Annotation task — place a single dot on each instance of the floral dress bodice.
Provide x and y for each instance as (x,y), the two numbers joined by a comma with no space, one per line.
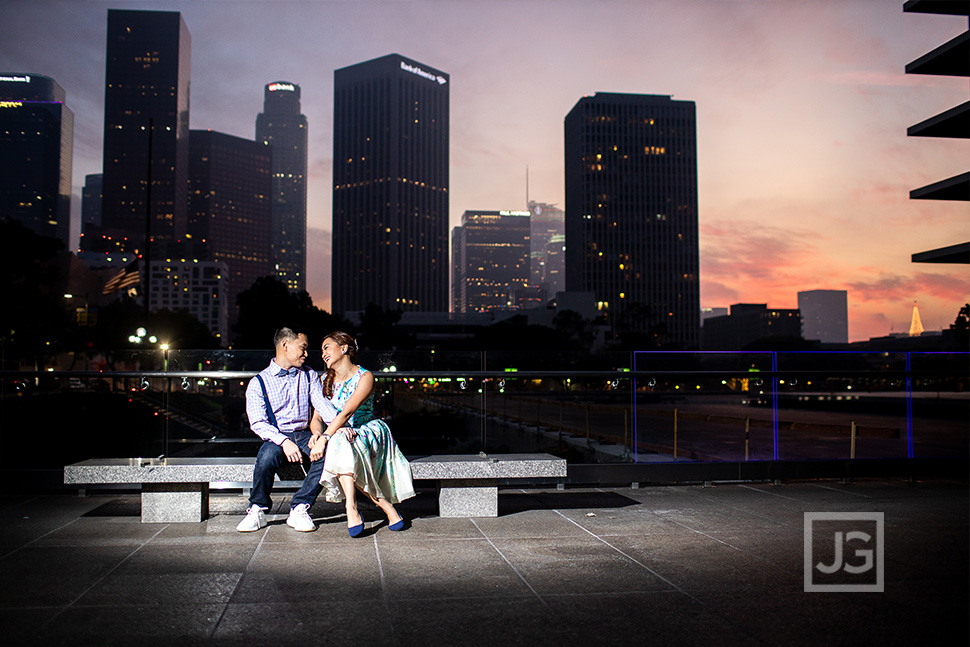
(342,392)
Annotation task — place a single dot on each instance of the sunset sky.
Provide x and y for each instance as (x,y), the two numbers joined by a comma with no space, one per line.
(802,108)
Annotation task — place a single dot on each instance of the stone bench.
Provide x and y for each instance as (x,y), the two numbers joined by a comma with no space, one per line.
(173,490)
(468,484)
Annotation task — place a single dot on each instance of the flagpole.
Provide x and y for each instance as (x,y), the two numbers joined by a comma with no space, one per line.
(148,224)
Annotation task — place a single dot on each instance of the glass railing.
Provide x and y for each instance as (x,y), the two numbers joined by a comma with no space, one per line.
(644,407)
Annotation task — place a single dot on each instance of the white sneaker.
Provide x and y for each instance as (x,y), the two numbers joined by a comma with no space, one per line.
(299,519)
(253,521)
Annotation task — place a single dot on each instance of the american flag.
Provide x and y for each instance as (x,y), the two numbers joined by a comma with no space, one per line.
(126,278)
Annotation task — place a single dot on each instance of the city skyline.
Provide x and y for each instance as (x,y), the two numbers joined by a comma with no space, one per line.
(804,166)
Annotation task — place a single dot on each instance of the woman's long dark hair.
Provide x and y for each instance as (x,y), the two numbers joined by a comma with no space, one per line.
(342,339)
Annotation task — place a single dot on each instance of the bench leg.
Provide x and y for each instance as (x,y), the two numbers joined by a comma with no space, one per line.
(174,502)
(468,498)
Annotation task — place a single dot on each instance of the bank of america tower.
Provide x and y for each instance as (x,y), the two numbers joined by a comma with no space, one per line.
(390,186)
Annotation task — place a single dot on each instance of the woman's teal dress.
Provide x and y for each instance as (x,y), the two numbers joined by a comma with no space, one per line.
(378,466)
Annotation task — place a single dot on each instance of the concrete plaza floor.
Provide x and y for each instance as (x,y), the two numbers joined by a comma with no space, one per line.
(671,565)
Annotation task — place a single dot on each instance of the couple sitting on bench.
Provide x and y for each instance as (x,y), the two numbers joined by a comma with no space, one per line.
(329,421)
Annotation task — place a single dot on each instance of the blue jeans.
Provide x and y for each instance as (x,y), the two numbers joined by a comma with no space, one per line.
(270,458)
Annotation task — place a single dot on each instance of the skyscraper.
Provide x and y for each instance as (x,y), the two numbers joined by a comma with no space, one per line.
(631,211)
(825,315)
(36,144)
(491,249)
(390,186)
(146,87)
(229,206)
(281,126)
(91,200)
(546,223)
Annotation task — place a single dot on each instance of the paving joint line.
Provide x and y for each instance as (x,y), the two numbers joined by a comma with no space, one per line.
(103,577)
(629,557)
(225,607)
(511,565)
(387,608)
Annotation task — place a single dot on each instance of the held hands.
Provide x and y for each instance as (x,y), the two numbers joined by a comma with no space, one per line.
(318,444)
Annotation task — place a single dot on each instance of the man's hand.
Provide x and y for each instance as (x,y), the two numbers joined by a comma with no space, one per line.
(292,452)
(318,445)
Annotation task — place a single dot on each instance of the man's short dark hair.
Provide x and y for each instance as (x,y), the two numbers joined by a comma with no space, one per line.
(285,333)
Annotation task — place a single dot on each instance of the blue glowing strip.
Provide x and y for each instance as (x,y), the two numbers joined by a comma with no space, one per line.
(909,407)
(635,437)
(774,399)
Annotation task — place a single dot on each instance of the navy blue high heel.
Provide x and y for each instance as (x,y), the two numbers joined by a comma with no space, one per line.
(398,526)
(356,530)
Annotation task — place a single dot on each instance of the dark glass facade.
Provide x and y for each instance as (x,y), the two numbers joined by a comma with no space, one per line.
(146,82)
(631,212)
(390,192)
(282,127)
(36,148)
(546,259)
(492,252)
(229,206)
(91,200)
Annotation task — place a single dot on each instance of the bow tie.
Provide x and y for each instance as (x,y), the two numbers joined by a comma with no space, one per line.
(283,372)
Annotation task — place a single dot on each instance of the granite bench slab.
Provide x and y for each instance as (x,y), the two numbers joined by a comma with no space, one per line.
(468,483)
(172,489)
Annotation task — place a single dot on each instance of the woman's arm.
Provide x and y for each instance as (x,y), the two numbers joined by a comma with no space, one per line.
(364,387)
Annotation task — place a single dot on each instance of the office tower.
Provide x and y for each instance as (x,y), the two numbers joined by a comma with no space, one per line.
(36,146)
(631,212)
(390,186)
(554,265)
(199,287)
(825,315)
(230,185)
(493,252)
(146,105)
(91,200)
(282,127)
(949,59)
(547,221)
(748,323)
(459,294)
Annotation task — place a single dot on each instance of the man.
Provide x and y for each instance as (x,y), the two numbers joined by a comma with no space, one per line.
(278,403)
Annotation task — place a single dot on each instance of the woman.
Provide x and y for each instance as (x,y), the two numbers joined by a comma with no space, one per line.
(360,452)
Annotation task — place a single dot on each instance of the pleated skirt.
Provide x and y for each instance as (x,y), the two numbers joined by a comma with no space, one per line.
(378,466)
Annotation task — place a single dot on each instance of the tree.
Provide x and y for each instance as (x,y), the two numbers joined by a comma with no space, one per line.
(34,320)
(379,331)
(268,304)
(960,328)
(571,325)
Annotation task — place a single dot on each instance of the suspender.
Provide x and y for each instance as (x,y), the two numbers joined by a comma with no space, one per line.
(269,408)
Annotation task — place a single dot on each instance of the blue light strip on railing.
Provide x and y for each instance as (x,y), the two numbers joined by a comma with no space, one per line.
(909,408)
(774,402)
